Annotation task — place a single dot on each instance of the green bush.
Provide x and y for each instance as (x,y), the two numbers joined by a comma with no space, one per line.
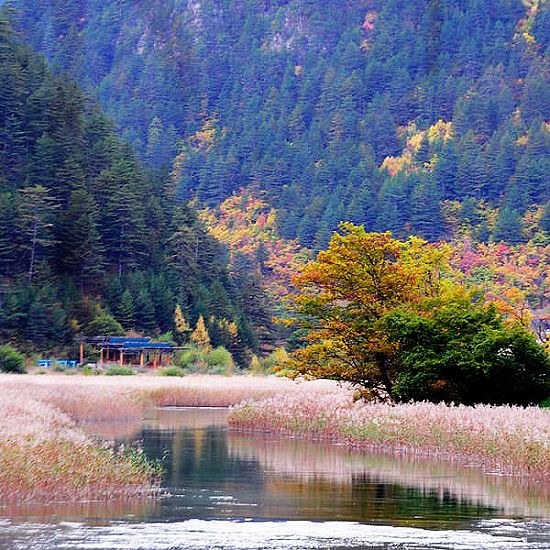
(86,371)
(275,361)
(11,360)
(220,361)
(190,357)
(545,404)
(171,371)
(119,371)
(167,338)
(466,353)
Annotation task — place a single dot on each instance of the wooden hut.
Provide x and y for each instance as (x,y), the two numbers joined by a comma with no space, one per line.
(130,351)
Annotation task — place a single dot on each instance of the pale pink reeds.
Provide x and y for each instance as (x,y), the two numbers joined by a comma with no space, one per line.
(98,397)
(507,440)
(45,453)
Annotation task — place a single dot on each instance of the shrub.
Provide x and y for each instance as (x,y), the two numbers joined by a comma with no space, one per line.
(11,360)
(275,361)
(189,357)
(171,371)
(119,371)
(545,404)
(86,371)
(220,361)
(167,337)
(255,367)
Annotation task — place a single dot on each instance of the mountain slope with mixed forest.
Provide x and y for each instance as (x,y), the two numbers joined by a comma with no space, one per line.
(90,240)
(425,116)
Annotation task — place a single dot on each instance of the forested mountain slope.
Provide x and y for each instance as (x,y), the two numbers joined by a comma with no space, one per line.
(423,116)
(85,230)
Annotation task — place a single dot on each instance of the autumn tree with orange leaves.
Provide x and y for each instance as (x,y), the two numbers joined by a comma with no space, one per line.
(388,317)
(344,295)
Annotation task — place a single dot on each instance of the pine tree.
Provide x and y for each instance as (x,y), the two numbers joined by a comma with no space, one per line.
(79,249)
(36,211)
(508,227)
(426,219)
(37,324)
(124,311)
(144,312)
(8,245)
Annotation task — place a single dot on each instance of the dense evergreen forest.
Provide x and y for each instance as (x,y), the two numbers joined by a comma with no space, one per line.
(419,116)
(426,117)
(89,239)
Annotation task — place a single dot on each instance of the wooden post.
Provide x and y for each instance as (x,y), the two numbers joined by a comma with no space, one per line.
(154,360)
(121,358)
(81,353)
(101,357)
(141,360)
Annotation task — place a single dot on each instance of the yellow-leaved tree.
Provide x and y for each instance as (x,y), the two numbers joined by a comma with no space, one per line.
(343,296)
(201,337)
(182,326)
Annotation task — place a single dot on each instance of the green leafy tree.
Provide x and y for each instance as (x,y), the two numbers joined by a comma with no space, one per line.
(104,325)
(464,352)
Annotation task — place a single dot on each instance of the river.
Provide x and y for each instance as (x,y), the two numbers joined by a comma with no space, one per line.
(228,490)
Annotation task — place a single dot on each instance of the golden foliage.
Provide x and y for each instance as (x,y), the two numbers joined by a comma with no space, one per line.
(344,294)
(201,337)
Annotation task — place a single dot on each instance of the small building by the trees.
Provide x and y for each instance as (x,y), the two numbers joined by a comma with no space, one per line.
(127,350)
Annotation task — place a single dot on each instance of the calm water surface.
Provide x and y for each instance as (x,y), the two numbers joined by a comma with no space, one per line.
(229,490)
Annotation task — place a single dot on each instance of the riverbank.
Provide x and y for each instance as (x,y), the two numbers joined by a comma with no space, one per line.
(502,440)
(47,455)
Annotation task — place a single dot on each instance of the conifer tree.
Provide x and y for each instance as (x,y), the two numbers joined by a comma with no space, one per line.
(182,326)
(36,211)
(201,337)
(124,312)
(79,250)
(144,312)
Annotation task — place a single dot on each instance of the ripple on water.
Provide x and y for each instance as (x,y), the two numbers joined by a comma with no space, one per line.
(259,535)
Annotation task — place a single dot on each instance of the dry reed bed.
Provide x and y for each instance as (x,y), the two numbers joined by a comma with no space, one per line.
(507,440)
(45,454)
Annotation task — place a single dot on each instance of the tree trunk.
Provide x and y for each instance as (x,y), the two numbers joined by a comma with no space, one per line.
(33,251)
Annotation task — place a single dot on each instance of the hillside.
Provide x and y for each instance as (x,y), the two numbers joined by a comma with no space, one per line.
(427,117)
(88,236)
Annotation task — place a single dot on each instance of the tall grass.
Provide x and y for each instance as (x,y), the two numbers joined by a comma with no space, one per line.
(45,454)
(507,440)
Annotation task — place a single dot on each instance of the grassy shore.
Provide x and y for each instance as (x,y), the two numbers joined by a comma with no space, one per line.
(46,454)
(505,440)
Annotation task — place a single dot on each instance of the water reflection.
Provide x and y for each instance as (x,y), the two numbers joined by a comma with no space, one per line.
(216,473)
(301,460)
